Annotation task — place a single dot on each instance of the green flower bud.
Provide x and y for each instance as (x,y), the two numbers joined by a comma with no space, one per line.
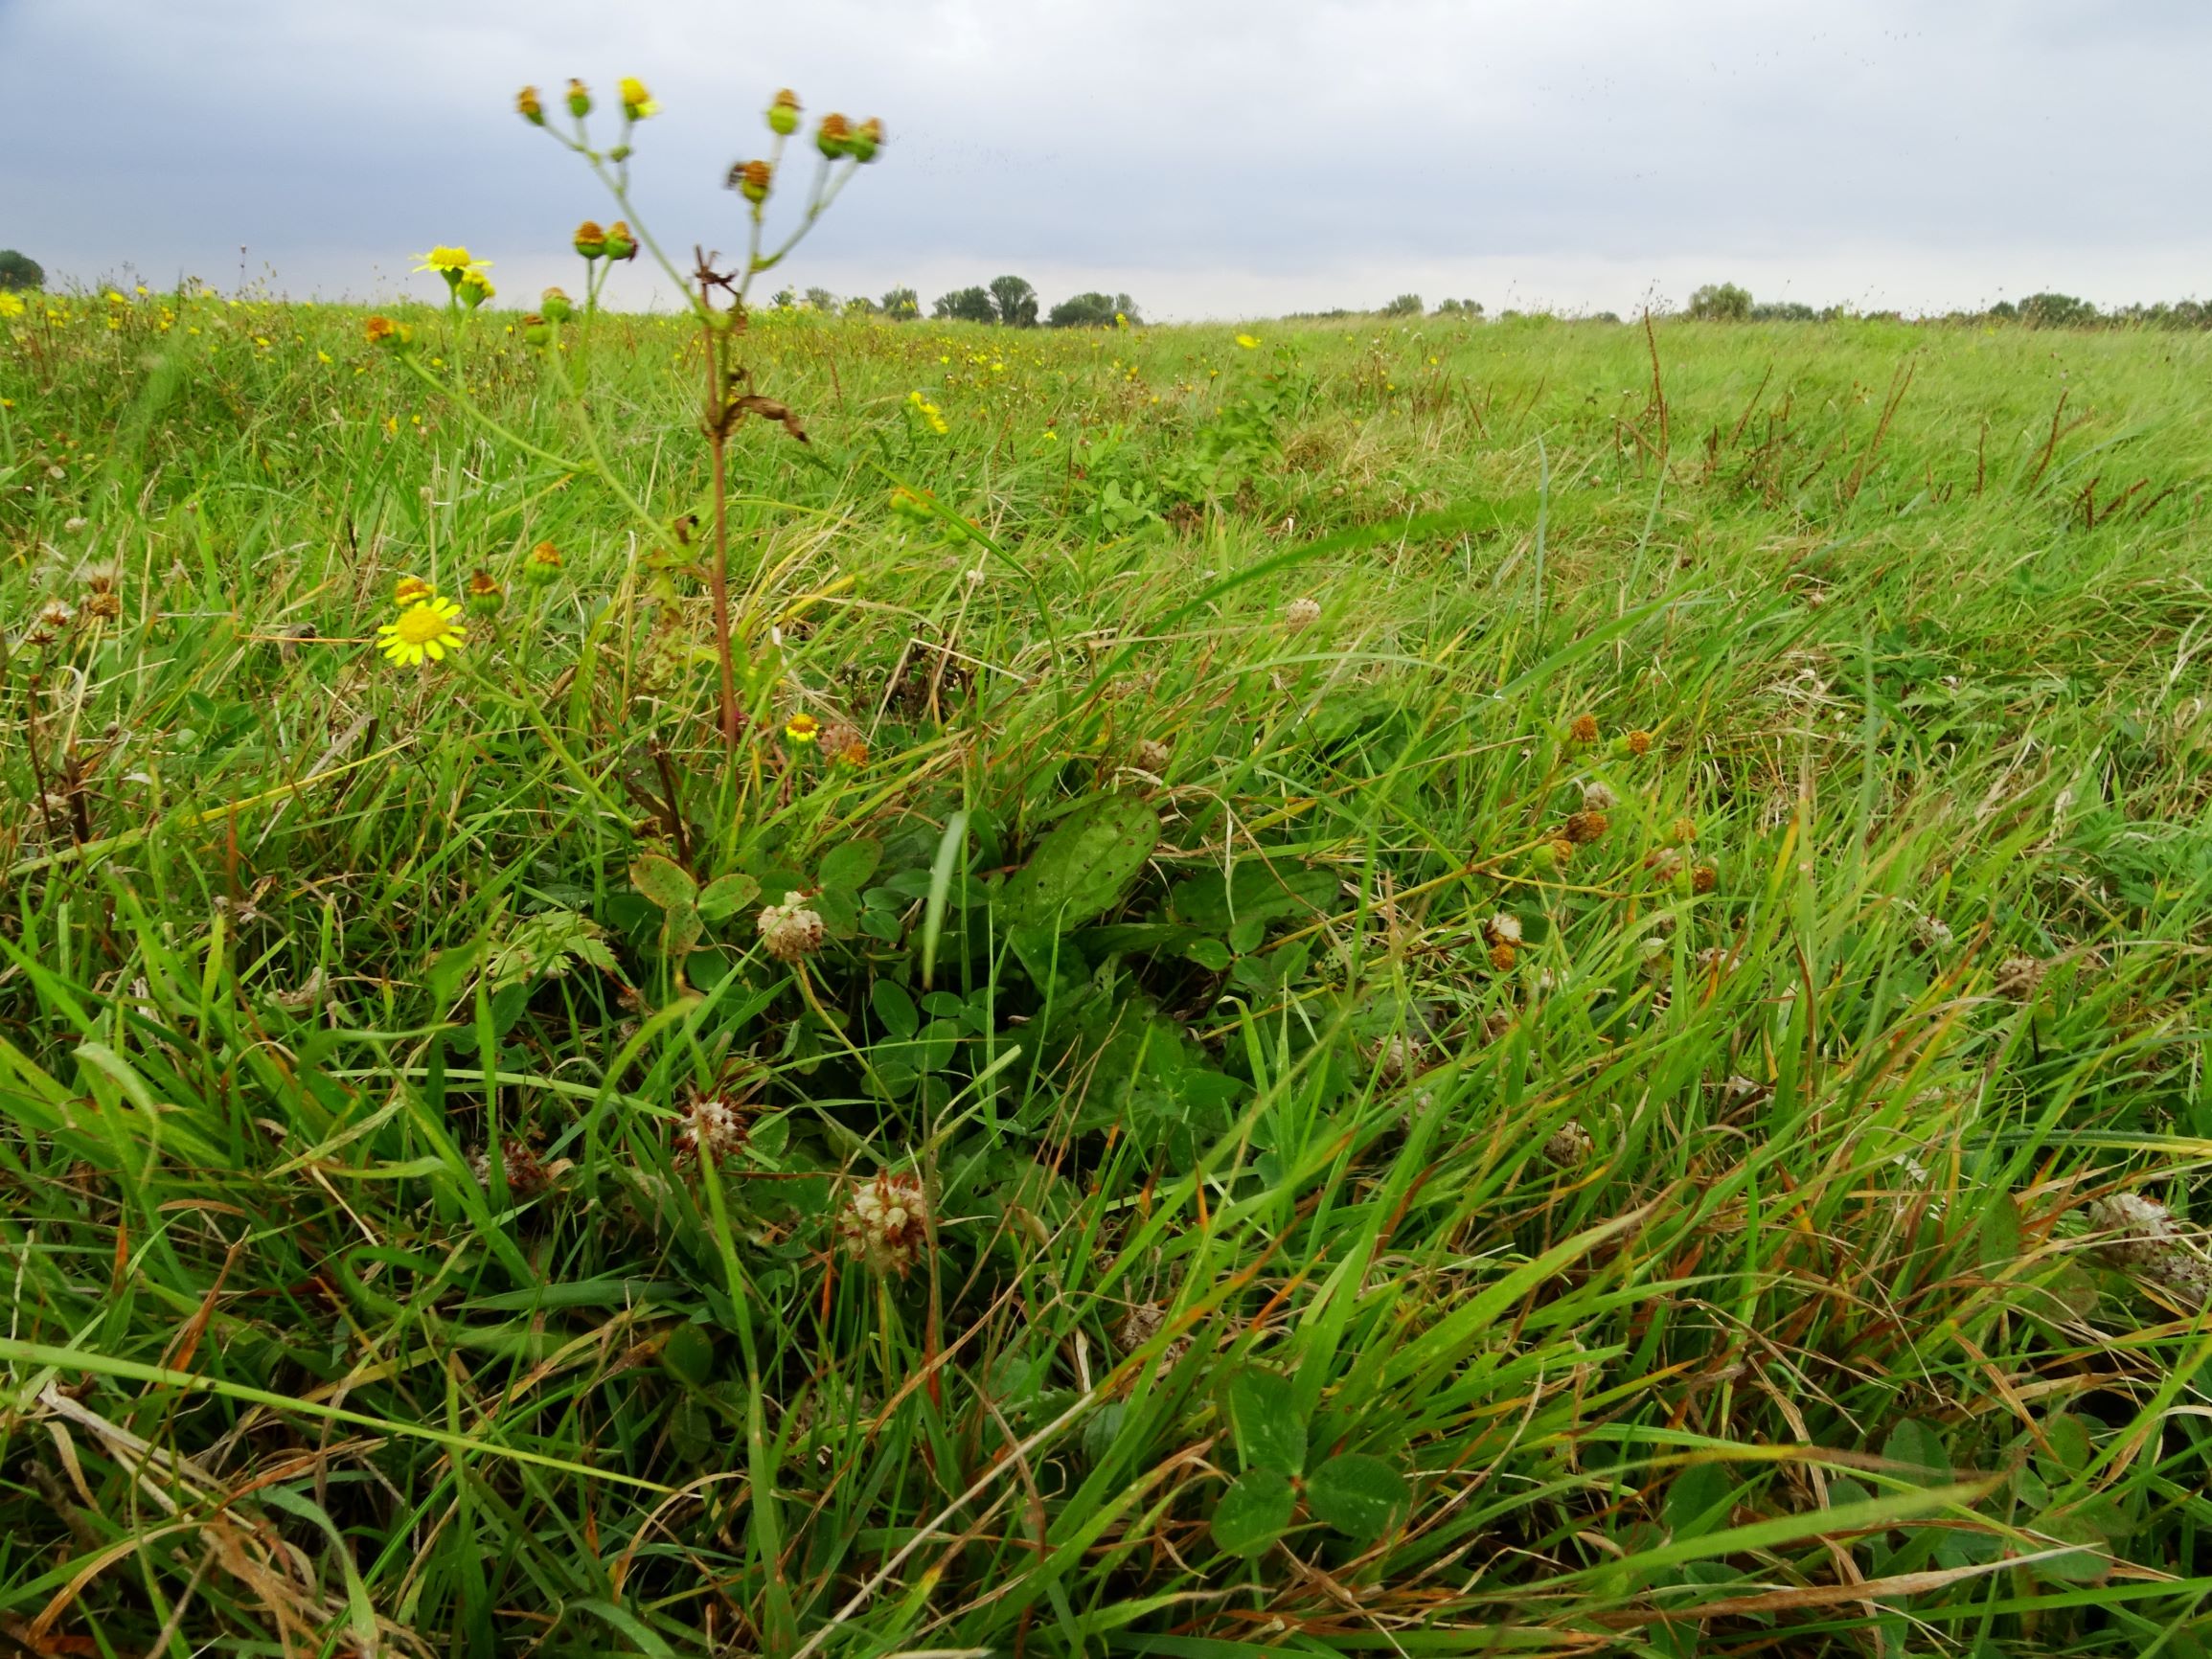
(783,114)
(578,98)
(866,140)
(835,136)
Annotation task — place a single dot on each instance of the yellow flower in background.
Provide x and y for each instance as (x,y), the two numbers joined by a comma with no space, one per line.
(1248,342)
(930,415)
(802,729)
(446,262)
(425,632)
(637,103)
(10,306)
(412,590)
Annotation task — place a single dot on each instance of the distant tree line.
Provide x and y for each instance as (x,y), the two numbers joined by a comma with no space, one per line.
(1730,303)
(1009,301)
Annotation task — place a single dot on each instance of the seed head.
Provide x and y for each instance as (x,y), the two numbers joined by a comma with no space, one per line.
(104,603)
(2143,1239)
(1503,929)
(791,931)
(844,744)
(1301,614)
(1597,798)
(1501,957)
(1152,756)
(1569,1145)
(1704,879)
(1397,1059)
(886,1223)
(1584,729)
(713,1122)
(1139,1326)
(2019,977)
(1584,828)
(1684,831)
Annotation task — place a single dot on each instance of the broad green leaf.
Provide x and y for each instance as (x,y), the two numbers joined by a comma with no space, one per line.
(1253,1512)
(1083,864)
(1256,890)
(1359,1495)
(849,866)
(2086,1566)
(894,1009)
(1270,1428)
(1920,1447)
(688,1353)
(1698,1498)
(725,896)
(663,881)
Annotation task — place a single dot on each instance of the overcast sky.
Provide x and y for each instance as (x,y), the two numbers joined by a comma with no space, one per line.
(1211,158)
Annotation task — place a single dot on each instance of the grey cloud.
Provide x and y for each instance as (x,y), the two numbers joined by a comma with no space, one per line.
(1190,139)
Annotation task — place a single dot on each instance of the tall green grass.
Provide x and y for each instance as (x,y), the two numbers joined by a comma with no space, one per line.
(1728,1268)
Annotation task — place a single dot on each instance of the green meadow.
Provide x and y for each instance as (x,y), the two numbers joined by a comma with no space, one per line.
(1408,987)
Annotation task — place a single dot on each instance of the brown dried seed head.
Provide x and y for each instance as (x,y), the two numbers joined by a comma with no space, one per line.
(1584,828)
(1584,730)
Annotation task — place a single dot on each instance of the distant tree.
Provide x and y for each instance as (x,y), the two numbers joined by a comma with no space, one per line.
(1460,309)
(1405,305)
(1092,310)
(2056,311)
(1783,311)
(965,306)
(785,299)
(1016,301)
(858,306)
(1720,303)
(20,270)
(823,300)
(901,305)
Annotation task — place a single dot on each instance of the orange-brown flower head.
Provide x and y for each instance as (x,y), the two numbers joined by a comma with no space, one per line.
(1639,743)
(843,744)
(866,140)
(1704,879)
(485,594)
(621,244)
(1584,828)
(751,180)
(384,332)
(1584,730)
(528,106)
(1501,957)
(784,113)
(535,330)
(591,240)
(411,590)
(555,305)
(835,136)
(578,98)
(542,565)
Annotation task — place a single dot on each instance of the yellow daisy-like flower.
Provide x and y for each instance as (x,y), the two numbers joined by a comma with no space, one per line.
(636,102)
(802,729)
(1248,342)
(10,305)
(412,590)
(425,632)
(450,263)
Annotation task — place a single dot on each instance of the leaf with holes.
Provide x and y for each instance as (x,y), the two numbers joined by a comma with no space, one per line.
(1083,864)
(664,882)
